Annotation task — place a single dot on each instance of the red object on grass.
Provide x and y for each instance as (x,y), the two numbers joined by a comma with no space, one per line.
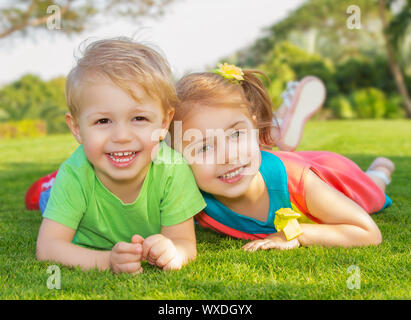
(33,193)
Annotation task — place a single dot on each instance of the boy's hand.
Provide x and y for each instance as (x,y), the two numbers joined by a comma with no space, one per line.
(161,252)
(274,241)
(126,257)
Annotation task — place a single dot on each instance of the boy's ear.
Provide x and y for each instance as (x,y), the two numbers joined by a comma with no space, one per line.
(167,118)
(74,127)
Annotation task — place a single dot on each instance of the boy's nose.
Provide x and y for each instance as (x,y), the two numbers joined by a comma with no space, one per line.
(121,134)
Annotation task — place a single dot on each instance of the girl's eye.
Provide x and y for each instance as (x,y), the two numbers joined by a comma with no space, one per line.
(236,134)
(102,121)
(204,148)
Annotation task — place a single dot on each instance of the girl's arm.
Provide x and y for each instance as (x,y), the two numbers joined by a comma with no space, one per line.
(346,224)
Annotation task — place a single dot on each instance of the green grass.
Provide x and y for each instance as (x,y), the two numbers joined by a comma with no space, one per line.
(222,270)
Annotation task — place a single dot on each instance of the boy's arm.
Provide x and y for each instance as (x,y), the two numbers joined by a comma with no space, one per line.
(184,239)
(345,222)
(173,248)
(54,244)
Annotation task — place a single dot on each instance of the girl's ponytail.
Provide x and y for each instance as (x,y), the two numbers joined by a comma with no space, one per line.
(260,105)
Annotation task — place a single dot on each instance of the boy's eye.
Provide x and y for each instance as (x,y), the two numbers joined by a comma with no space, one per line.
(102,121)
(139,118)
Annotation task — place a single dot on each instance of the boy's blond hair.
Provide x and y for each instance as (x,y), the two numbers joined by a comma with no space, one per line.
(126,63)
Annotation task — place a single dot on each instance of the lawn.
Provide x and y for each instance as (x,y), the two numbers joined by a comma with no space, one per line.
(222,270)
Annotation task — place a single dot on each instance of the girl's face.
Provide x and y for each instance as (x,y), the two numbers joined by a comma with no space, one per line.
(221,146)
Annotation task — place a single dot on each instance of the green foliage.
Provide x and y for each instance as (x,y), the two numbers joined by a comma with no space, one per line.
(287,62)
(369,103)
(364,72)
(345,59)
(24,17)
(342,108)
(32,98)
(325,20)
(400,24)
(23,128)
(393,109)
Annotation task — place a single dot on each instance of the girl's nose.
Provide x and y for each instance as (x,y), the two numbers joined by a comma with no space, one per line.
(231,152)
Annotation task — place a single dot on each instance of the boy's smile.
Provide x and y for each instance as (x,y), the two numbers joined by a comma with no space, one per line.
(122,159)
(118,132)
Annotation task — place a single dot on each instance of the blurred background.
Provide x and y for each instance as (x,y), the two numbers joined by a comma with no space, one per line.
(361,49)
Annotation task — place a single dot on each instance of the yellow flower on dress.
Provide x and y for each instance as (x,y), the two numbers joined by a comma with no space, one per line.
(230,72)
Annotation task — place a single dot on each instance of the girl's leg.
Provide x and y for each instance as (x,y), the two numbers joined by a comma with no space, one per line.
(300,101)
(380,171)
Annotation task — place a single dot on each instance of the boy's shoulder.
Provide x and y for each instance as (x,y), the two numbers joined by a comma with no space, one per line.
(77,164)
(168,156)
(169,165)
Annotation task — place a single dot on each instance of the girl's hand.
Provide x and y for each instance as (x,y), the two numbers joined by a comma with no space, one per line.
(274,241)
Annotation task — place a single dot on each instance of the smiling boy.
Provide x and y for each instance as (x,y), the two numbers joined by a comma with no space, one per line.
(119,198)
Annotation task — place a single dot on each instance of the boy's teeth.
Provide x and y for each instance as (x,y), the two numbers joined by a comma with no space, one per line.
(122,154)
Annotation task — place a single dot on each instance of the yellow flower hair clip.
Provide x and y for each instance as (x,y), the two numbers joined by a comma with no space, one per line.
(230,72)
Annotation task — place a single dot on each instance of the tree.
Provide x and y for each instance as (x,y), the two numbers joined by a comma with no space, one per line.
(30,15)
(320,26)
(394,31)
(32,98)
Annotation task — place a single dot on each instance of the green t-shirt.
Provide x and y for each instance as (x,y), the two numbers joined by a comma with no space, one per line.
(80,201)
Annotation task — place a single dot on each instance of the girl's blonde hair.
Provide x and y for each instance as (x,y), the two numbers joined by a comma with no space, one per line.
(211,89)
(125,63)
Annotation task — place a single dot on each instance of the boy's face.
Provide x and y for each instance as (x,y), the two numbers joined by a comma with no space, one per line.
(221,146)
(119,135)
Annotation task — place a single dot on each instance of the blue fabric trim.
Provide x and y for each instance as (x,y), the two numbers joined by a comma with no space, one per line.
(387,203)
(275,177)
(44,198)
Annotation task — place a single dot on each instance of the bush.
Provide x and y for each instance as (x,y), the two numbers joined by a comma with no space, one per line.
(393,107)
(341,107)
(286,62)
(365,104)
(369,103)
(364,72)
(24,128)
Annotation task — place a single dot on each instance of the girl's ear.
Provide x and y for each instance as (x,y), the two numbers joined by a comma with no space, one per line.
(74,127)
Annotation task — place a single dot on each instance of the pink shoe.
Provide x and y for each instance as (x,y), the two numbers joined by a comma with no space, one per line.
(381,162)
(303,99)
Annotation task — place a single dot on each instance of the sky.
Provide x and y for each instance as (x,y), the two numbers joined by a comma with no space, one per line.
(192,34)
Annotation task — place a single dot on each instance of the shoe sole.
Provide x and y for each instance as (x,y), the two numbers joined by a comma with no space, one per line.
(309,98)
